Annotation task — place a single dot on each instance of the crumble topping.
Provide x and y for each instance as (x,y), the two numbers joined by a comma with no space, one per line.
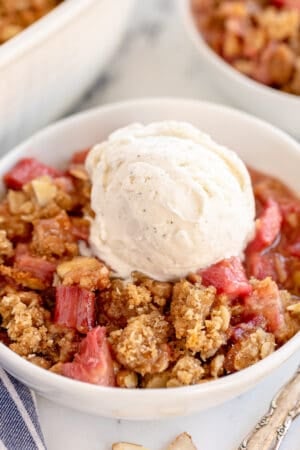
(68,314)
(247,351)
(141,345)
(187,370)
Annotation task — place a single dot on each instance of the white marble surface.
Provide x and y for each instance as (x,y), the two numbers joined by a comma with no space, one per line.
(157,59)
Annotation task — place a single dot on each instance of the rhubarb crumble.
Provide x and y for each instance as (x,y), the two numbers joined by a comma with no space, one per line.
(259,38)
(64,310)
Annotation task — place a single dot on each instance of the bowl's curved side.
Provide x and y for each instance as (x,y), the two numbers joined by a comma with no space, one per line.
(280,108)
(258,143)
(55,64)
(142,404)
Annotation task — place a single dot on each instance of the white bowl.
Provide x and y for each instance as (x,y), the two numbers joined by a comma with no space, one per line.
(259,144)
(279,108)
(46,68)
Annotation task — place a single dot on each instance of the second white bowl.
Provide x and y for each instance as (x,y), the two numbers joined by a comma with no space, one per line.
(279,108)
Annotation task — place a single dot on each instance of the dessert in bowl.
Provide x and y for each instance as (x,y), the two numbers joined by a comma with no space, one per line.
(251,51)
(261,39)
(111,290)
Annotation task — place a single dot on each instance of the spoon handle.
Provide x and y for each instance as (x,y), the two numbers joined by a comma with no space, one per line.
(271,429)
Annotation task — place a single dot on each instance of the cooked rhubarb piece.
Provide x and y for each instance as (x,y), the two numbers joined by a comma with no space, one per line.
(80,157)
(26,170)
(252,323)
(261,264)
(228,277)
(39,267)
(268,226)
(93,362)
(265,301)
(75,308)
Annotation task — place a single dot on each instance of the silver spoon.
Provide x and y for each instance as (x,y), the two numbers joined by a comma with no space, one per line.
(270,431)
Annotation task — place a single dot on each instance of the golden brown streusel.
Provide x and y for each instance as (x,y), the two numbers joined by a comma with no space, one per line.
(15,227)
(22,278)
(6,248)
(196,320)
(178,349)
(141,345)
(279,24)
(30,331)
(280,65)
(187,370)
(160,291)
(190,306)
(46,197)
(24,319)
(39,361)
(213,335)
(156,381)
(291,323)
(127,379)
(62,343)
(217,366)
(125,300)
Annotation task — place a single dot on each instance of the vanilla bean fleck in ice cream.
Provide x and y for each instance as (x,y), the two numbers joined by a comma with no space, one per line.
(168,201)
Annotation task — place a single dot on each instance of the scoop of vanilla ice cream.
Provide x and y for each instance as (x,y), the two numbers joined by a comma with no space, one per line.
(168,201)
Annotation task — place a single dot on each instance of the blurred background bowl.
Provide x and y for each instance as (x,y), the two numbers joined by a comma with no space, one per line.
(48,67)
(277,107)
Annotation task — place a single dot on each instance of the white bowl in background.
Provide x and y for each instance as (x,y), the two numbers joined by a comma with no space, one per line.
(279,108)
(46,68)
(259,144)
